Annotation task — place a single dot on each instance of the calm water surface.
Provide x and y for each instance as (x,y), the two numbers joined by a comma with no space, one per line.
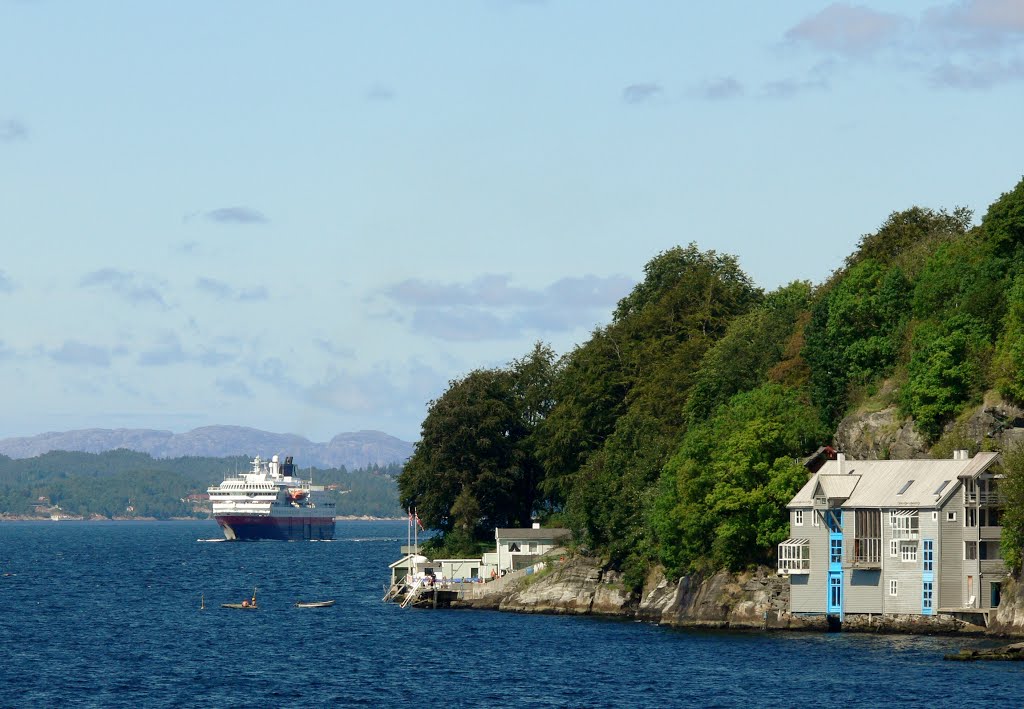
(107,615)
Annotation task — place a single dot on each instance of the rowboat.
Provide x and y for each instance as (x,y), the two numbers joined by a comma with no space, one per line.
(246,605)
(314,604)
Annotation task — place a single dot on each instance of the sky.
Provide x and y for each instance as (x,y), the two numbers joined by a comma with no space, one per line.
(310,217)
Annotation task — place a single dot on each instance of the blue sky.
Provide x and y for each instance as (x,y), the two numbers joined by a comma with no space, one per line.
(309,217)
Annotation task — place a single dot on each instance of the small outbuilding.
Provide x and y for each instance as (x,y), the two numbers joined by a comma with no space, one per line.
(519,548)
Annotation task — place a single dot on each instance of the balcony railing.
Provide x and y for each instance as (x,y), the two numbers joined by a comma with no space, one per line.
(866,554)
(905,534)
(983,498)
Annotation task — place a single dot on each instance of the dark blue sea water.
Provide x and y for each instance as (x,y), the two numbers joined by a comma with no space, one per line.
(107,615)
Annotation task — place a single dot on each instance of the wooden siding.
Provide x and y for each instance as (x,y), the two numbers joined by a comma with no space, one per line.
(807,592)
(949,561)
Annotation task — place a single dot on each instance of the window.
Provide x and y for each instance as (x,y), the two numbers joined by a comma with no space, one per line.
(908,552)
(892,587)
(814,519)
(970,550)
(951,516)
(935,516)
(926,597)
(989,550)
(906,486)
(821,501)
(798,518)
(835,551)
(905,525)
(795,556)
(867,538)
(894,547)
(940,488)
(990,517)
(928,555)
(513,546)
(971,517)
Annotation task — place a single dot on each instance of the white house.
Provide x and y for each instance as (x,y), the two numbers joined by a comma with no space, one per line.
(519,548)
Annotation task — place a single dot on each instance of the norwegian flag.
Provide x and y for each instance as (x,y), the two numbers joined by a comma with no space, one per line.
(418,521)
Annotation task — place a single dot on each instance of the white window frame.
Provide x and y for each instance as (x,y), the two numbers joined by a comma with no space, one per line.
(795,558)
(894,547)
(908,552)
(906,526)
(968,545)
(798,518)
(815,521)
(935,516)
(951,516)
(893,587)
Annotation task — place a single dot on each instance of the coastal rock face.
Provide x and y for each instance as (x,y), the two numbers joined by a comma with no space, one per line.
(996,422)
(578,586)
(1009,616)
(753,600)
(879,435)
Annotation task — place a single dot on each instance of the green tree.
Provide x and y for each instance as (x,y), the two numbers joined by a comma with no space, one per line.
(722,497)
(474,467)
(855,333)
(946,371)
(1012,488)
(1008,361)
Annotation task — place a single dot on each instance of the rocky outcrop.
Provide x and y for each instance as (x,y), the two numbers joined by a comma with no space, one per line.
(577,586)
(753,600)
(879,435)
(1009,616)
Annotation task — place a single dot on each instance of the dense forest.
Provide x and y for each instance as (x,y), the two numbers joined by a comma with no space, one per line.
(674,435)
(125,483)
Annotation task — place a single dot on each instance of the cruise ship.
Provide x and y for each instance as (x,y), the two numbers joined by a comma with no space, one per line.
(271,502)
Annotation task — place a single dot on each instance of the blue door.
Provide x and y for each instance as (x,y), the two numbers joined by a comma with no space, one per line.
(927,577)
(835,560)
(835,592)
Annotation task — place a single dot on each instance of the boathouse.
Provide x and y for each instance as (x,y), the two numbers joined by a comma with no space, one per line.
(897,537)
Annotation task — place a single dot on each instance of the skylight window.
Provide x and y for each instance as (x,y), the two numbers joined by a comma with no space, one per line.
(906,486)
(940,488)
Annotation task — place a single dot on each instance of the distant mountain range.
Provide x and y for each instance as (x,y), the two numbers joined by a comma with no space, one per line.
(352,450)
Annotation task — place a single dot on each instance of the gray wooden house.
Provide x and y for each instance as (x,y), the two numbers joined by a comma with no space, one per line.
(896,537)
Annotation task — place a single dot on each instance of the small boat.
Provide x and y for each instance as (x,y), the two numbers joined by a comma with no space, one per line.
(248,604)
(314,604)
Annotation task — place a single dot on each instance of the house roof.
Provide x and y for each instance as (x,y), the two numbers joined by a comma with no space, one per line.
(513,534)
(892,483)
(404,561)
(838,486)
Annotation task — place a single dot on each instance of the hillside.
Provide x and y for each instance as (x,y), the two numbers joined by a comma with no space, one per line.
(673,437)
(350,450)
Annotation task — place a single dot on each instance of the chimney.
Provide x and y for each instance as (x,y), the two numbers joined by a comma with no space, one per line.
(841,460)
(961,454)
(536,525)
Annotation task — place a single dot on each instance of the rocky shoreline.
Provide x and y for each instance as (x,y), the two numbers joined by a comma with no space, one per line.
(752,600)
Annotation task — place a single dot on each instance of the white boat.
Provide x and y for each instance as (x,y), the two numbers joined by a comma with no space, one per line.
(272,502)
